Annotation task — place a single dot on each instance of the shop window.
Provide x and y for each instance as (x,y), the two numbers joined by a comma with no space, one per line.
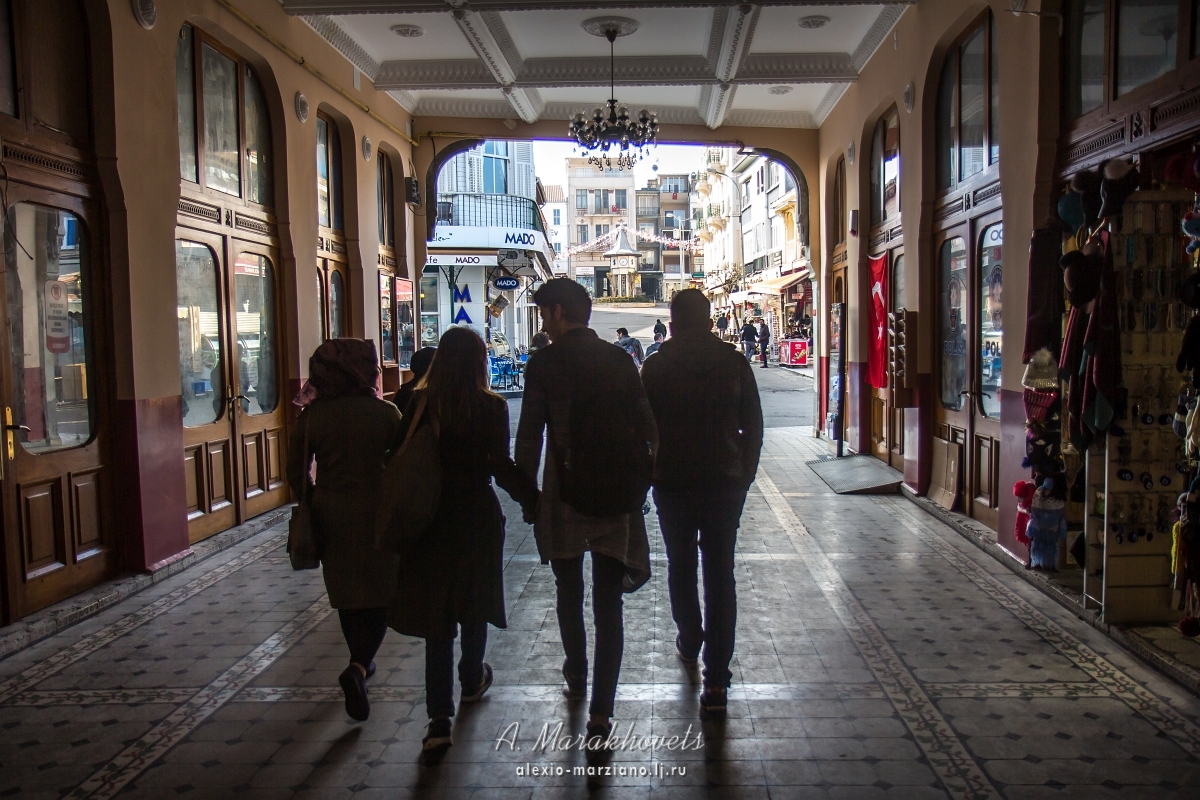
(46,265)
(337,305)
(329,174)
(838,201)
(224,124)
(321,304)
(1147,35)
(968,108)
(991,323)
(257,342)
(385,195)
(429,311)
(198,312)
(8,61)
(898,298)
(495,167)
(387,318)
(405,328)
(1084,56)
(885,169)
(952,269)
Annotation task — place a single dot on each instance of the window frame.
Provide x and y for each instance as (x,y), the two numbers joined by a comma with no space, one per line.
(385,191)
(200,38)
(987,22)
(879,161)
(333,154)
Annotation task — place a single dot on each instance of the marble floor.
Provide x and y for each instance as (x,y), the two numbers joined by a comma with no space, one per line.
(879,655)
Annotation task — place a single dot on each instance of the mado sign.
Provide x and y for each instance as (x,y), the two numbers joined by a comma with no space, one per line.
(506,283)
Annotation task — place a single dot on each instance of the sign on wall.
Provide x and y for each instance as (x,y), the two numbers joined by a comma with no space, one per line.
(460,260)
(58,334)
(506,283)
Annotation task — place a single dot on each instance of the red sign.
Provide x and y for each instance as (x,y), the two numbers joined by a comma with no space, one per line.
(404,290)
(58,335)
(877,320)
(794,352)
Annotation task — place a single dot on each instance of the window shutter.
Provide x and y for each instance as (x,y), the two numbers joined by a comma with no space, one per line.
(474,164)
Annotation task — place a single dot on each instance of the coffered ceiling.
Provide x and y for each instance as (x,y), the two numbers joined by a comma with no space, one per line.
(775,64)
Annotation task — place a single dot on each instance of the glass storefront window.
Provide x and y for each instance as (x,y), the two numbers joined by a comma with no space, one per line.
(405,325)
(321,305)
(257,344)
(387,325)
(991,323)
(198,312)
(185,93)
(1084,43)
(952,268)
(993,96)
(971,106)
(885,169)
(221,153)
(337,305)
(329,175)
(898,300)
(258,143)
(1147,35)
(945,127)
(323,216)
(430,332)
(46,259)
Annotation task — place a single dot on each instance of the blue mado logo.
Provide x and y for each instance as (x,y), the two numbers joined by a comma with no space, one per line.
(518,238)
(506,283)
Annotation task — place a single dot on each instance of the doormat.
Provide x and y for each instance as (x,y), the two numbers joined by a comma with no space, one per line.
(857,475)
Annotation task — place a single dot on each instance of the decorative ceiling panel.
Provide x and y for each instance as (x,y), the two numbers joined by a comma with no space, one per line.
(661,32)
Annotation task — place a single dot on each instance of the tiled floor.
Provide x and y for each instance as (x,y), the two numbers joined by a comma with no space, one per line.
(879,656)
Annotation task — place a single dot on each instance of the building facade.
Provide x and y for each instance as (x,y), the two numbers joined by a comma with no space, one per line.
(599,200)
(558,227)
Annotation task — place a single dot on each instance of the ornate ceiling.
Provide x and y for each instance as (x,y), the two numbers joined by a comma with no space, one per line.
(774,64)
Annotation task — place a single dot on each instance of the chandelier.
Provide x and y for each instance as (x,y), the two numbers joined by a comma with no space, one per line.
(613,127)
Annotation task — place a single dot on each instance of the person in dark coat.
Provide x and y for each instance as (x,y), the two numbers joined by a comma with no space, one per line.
(660,329)
(749,336)
(419,365)
(764,341)
(349,431)
(455,576)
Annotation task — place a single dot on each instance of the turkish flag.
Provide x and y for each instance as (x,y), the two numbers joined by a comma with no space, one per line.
(877,352)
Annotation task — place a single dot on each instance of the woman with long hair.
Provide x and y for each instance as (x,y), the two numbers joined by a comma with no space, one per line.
(454,577)
(349,432)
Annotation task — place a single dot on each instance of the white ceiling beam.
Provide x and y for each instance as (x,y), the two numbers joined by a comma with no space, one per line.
(491,41)
(729,43)
(303,7)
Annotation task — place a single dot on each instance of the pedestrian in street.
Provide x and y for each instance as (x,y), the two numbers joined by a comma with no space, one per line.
(630,345)
(652,349)
(722,325)
(419,364)
(706,405)
(600,436)
(454,578)
(764,341)
(540,339)
(349,431)
(749,337)
(660,329)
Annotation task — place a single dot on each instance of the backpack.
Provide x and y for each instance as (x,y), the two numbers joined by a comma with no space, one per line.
(605,469)
(631,348)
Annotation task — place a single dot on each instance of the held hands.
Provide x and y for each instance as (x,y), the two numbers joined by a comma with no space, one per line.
(529,511)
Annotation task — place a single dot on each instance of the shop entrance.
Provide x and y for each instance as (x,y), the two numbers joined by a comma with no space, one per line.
(970,324)
(887,420)
(332,285)
(229,354)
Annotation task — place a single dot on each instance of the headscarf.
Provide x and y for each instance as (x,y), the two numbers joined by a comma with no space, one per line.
(420,361)
(341,367)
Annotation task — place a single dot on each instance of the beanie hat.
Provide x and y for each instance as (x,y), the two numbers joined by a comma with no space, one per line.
(1081,275)
(1121,179)
(1087,184)
(1042,371)
(1070,211)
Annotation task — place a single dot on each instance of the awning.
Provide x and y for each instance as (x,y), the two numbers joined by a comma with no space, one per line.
(776,285)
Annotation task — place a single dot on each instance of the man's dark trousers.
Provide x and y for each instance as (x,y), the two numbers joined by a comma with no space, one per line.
(705,521)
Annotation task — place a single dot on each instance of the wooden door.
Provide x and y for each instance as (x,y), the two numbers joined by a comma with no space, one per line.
(897,299)
(58,538)
(229,358)
(970,324)
(333,285)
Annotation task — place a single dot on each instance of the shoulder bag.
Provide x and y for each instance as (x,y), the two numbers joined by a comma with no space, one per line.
(302,545)
(411,488)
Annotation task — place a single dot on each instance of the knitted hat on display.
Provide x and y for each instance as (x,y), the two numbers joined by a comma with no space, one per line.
(1042,371)
(1070,211)
(1087,184)
(1081,275)
(1121,179)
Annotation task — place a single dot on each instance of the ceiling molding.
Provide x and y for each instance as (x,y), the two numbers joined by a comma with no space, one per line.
(887,19)
(407,100)
(459,73)
(453,107)
(715,103)
(770,119)
(329,30)
(526,102)
(302,7)
(831,99)
(797,68)
(735,41)
(627,71)
(670,115)
(477,33)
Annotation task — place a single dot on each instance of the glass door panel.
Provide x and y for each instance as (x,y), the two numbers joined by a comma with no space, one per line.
(337,304)
(952,272)
(990,324)
(198,292)
(254,308)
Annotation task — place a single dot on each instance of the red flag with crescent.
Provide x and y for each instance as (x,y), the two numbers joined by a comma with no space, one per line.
(878,335)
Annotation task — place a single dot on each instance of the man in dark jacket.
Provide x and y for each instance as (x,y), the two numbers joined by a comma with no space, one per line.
(749,336)
(764,341)
(630,345)
(660,329)
(710,426)
(575,366)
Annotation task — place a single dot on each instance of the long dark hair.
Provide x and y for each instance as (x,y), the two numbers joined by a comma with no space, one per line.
(457,380)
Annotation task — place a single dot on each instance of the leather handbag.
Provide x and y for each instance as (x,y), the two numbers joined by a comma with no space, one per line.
(411,488)
(303,547)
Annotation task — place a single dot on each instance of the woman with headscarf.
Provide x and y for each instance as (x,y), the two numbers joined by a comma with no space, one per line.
(349,431)
(455,576)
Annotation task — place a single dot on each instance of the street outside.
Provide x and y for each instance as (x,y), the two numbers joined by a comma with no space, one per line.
(786,394)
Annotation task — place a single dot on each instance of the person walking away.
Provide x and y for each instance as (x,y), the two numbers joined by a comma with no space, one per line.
(419,365)
(652,349)
(722,325)
(706,405)
(749,336)
(601,435)
(454,578)
(659,329)
(764,341)
(630,345)
(540,339)
(350,432)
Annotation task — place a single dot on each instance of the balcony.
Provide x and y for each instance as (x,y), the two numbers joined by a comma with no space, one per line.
(489,211)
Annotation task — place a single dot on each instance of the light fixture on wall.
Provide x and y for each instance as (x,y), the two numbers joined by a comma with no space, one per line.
(301,107)
(614,129)
(366,148)
(850,154)
(145,12)
(910,97)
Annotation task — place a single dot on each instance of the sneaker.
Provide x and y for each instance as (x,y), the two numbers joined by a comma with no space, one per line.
(596,751)
(436,742)
(576,684)
(713,703)
(481,690)
(689,660)
(354,686)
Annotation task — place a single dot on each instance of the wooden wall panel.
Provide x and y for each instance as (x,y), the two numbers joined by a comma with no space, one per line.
(251,464)
(219,475)
(85,514)
(42,528)
(274,459)
(193,472)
